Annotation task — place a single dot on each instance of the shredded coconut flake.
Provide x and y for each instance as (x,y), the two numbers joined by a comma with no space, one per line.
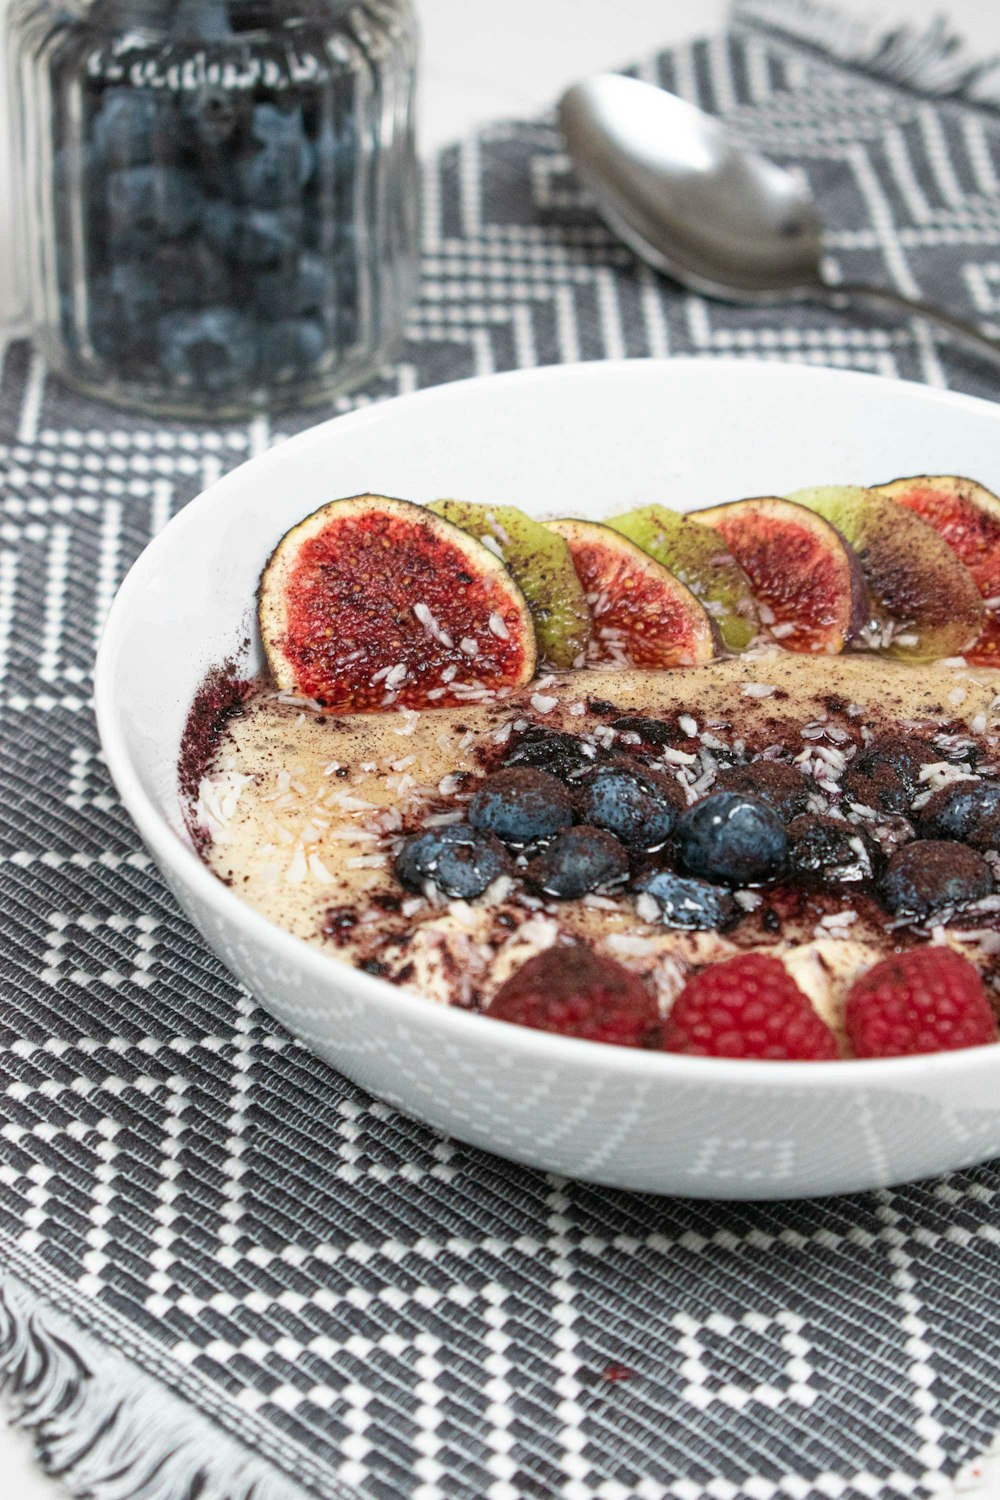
(674,757)
(441,820)
(218,797)
(431,625)
(496,893)
(319,871)
(647,908)
(542,704)
(635,947)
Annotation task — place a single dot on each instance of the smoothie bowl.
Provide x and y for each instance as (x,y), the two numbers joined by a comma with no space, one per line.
(652,784)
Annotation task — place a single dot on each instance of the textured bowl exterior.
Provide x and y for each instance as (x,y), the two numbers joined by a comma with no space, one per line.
(588,440)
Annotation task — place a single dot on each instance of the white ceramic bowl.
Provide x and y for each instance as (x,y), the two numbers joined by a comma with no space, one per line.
(583,440)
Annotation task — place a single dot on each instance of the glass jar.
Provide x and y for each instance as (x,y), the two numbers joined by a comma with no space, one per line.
(219,195)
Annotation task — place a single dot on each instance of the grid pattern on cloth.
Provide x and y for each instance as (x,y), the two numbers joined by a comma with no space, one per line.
(353,1300)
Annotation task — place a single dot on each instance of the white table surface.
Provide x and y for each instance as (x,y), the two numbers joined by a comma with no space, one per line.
(482,61)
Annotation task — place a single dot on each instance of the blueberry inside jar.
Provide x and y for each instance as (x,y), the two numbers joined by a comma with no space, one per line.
(221,197)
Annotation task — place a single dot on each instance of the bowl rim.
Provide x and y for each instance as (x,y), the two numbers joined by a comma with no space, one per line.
(409,1007)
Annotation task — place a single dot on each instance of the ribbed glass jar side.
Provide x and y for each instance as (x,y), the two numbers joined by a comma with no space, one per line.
(221,222)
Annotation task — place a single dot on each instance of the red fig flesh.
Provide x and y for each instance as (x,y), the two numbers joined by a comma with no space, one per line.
(807,582)
(372,602)
(642,615)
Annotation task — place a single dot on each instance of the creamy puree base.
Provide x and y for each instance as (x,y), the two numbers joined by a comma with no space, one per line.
(304,811)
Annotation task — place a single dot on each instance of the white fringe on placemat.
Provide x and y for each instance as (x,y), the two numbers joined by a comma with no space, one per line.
(107,1430)
(930,59)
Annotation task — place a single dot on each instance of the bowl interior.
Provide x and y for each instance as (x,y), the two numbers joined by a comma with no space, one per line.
(585,440)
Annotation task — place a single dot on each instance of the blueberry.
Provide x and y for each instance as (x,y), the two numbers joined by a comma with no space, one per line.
(562,755)
(732,838)
(213,350)
(521,805)
(124,128)
(460,861)
(134,242)
(278,162)
(190,274)
(200,20)
(692,905)
(219,224)
(829,850)
(162,198)
(904,754)
(291,292)
(73,171)
(136,291)
(882,788)
(782,787)
(961,810)
(578,860)
(270,123)
(253,236)
(637,805)
(986,834)
(290,346)
(336,153)
(266,236)
(130,197)
(217,114)
(650,731)
(928,874)
(178,201)
(103,319)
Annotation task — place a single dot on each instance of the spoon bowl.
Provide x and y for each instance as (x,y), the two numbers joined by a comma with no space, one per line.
(691,201)
(679,190)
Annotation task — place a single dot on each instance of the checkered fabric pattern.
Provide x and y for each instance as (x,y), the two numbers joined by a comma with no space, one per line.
(233,1274)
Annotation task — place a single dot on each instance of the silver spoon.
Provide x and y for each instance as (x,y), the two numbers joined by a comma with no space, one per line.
(687,198)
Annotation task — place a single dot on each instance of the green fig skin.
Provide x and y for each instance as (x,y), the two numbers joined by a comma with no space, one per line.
(917,584)
(541,565)
(702,564)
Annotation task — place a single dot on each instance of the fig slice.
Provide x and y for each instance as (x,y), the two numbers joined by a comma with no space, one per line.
(371,602)
(642,615)
(810,590)
(925,604)
(711,573)
(543,568)
(966,515)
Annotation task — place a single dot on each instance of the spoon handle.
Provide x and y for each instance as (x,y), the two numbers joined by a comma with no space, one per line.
(884,296)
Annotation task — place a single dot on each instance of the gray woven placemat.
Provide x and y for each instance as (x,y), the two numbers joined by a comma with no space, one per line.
(230,1274)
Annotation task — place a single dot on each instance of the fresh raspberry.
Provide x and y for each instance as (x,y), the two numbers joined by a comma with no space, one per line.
(925,1000)
(576,992)
(747,1006)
